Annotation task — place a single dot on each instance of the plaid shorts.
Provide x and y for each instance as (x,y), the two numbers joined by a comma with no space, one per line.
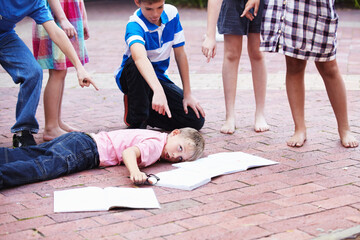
(300,29)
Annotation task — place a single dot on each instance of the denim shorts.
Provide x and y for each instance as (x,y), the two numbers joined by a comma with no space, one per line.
(230,22)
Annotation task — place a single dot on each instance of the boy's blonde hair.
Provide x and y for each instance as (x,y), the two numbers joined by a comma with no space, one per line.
(196,139)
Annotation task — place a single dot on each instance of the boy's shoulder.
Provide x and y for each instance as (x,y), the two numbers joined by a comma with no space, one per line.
(170,10)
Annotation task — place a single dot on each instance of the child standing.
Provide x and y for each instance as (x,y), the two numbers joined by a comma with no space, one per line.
(234,27)
(76,151)
(71,16)
(306,31)
(151,98)
(19,62)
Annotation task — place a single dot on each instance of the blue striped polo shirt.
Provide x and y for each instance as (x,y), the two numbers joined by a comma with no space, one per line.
(158,40)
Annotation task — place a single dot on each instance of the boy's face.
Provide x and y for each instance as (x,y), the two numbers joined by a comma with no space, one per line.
(151,11)
(177,148)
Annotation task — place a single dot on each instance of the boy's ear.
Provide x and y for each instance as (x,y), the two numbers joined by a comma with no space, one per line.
(175,132)
(137,3)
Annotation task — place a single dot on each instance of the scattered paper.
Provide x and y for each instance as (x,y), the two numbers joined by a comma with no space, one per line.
(191,175)
(103,199)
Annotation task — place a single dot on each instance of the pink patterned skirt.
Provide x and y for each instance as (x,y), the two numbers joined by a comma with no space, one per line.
(47,52)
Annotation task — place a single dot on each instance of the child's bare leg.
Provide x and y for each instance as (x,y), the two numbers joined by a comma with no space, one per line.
(259,76)
(52,99)
(232,53)
(64,126)
(295,88)
(336,91)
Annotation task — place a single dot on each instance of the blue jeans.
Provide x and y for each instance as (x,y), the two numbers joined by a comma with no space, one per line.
(19,62)
(140,112)
(69,153)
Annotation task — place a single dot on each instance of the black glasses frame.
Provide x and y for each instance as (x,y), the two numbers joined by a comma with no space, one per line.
(152,179)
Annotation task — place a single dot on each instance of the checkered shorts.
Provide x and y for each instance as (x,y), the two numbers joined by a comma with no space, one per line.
(303,29)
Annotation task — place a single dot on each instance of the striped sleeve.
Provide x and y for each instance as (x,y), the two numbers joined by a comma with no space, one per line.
(134,34)
(179,37)
(175,25)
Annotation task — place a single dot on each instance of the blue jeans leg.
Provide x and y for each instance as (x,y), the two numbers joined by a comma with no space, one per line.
(19,62)
(69,153)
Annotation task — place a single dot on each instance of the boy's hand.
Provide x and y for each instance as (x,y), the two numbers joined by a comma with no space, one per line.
(138,177)
(249,5)
(85,79)
(159,103)
(209,48)
(190,101)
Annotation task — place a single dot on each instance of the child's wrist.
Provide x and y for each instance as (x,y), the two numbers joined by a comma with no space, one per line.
(211,35)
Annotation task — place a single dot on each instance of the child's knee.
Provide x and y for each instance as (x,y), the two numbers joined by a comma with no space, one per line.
(232,56)
(256,56)
(35,72)
(198,123)
(295,66)
(328,69)
(31,76)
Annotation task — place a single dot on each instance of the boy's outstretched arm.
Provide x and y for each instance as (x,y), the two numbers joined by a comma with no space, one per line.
(130,156)
(209,45)
(59,37)
(143,64)
(183,66)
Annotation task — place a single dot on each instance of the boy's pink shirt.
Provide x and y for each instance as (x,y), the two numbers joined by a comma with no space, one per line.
(111,145)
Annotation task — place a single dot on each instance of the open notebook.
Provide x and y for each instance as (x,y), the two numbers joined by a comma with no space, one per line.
(103,199)
(190,175)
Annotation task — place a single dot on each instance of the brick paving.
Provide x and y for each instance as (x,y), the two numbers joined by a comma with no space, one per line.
(313,192)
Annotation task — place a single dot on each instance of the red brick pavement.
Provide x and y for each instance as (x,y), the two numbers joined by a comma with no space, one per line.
(314,191)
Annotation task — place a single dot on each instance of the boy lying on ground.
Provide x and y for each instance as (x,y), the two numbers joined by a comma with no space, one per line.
(76,151)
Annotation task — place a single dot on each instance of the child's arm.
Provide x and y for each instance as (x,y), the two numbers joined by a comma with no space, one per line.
(130,156)
(143,64)
(183,66)
(209,44)
(62,41)
(61,17)
(249,5)
(85,23)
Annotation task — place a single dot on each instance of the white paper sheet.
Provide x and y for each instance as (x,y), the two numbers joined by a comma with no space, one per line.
(182,178)
(191,175)
(99,199)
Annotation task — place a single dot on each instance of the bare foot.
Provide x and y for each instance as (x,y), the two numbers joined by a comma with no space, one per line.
(68,128)
(261,124)
(50,134)
(297,140)
(228,127)
(348,140)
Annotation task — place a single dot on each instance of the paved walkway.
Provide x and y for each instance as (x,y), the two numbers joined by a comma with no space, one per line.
(314,193)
